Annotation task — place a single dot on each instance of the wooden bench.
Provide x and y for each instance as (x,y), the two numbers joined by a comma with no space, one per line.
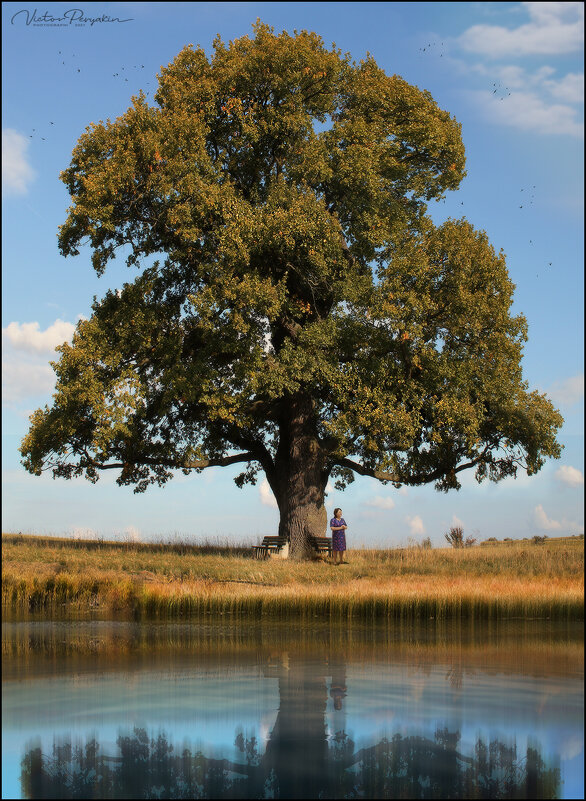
(322,544)
(319,544)
(268,544)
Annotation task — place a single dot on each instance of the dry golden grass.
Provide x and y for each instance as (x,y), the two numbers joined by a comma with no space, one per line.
(524,580)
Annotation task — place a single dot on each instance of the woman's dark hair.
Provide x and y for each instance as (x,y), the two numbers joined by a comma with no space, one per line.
(337,509)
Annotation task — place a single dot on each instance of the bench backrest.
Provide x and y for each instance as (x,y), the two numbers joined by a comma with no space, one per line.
(274,541)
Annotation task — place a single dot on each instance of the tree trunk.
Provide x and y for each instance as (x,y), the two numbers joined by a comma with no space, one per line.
(302,516)
(299,480)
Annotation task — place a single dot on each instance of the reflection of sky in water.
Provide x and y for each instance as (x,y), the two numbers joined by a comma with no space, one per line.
(206,706)
(407,699)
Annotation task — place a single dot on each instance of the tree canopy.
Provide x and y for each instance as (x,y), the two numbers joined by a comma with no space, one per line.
(296,308)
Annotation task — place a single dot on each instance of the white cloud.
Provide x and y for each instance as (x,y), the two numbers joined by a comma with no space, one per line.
(17,173)
(29,337)
(567,392)
(553,28)
(532,100)
(25,369)
(527,111)
(381,503)
(570,89)
(456,522)
(266,495)
(21,380)
(570,476)
(543,521)
(416,525)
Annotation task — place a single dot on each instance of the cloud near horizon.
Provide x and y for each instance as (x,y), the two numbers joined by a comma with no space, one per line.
(132,534)
(543,521)
(415,525)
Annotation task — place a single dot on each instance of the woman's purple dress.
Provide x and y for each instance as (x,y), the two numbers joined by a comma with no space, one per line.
(338,537)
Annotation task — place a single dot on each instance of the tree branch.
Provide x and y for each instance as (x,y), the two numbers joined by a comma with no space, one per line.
(367,471)
(422,478)
(198,464)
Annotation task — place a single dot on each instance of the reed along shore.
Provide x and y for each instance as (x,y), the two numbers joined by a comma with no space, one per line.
(496,580)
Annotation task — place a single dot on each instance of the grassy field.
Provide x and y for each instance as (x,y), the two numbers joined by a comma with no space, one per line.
(498,580)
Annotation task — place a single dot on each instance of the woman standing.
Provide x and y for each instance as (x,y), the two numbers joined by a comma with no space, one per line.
(338,528)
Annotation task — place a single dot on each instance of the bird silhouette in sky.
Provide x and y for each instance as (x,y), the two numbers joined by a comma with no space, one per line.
(429,46)
(498,87)
(65,62)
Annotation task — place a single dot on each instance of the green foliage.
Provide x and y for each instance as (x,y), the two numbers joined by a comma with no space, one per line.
(305,317)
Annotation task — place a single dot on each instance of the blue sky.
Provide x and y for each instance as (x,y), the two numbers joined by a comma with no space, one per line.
(510,73)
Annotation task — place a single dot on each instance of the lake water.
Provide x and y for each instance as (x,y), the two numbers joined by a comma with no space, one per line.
(104,709)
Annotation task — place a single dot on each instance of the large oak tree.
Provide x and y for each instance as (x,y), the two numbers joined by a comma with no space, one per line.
(304,317)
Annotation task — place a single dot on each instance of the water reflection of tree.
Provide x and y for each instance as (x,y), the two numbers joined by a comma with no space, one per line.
(400,767)
(299,761)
